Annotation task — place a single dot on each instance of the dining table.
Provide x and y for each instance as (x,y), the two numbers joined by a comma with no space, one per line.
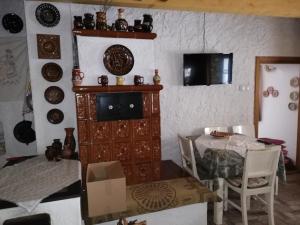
(218,158)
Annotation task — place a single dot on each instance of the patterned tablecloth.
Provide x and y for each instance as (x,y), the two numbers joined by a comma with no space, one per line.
(222,163)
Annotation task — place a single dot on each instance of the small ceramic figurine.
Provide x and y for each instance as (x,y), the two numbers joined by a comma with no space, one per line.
(156,77)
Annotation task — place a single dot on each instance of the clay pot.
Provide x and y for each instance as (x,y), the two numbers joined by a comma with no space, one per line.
(69,139)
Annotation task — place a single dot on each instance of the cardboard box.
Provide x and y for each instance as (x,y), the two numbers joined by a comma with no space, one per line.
(106,188)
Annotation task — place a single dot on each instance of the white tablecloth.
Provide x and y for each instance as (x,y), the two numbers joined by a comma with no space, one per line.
(237,143)
(28,182)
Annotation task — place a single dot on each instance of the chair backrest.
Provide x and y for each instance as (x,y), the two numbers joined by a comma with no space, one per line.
(187,156)
(261,163)
(208,130)
(244,129)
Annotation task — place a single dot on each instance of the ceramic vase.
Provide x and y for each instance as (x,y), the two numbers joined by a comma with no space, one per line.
(156,78)
(69,139)
(121,24)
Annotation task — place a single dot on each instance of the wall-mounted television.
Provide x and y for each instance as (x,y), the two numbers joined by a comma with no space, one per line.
(207,69)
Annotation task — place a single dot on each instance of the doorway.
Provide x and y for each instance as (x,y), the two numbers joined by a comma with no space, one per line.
(259,99)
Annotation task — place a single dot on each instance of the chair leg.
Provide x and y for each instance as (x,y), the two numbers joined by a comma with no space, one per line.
(244,209)
(248,202)
(276,185)
(270,201)
(225,198)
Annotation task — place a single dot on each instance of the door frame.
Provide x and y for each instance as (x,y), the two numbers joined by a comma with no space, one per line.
(258,93)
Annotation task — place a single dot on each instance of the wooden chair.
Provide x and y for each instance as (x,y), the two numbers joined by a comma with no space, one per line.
(188,159)
(258,178)
(208,130)
(244,129)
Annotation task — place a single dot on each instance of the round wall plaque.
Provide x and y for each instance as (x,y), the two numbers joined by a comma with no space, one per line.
(12,22)
(52,72)
(47,15)
(118,60)
(54,95)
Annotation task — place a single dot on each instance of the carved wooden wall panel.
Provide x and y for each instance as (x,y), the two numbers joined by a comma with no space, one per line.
(141,129)
(136,143)
(122,152)
(142,151)
(156,153)
(100,131)
(92,104)
(101,153)
(147,104)
(81,106)
(155,103)
(155,126)
(83,132)
(83,154)
(121,130)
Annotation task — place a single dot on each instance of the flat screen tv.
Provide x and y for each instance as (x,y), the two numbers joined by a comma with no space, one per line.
(207,69)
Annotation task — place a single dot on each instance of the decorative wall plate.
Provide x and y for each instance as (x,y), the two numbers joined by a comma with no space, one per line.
(275,93)
(52,72)
(118,60)
(270,89)
(12,22)
(294,82)
(55,116)
(294,95)
(54,95)
(48,46)
(293,106)
(266,94)
(47,15)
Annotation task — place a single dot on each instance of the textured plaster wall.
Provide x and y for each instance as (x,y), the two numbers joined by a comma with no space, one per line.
(183,109)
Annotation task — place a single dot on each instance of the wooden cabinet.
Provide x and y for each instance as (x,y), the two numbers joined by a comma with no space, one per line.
(135,143)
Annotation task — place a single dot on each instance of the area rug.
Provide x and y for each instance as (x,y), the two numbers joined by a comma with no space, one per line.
(160,195)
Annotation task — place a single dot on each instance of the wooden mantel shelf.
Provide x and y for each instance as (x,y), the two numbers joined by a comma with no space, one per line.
(117,88)
(114,34)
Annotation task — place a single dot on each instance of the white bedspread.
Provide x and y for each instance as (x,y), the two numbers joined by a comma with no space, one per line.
(237,143)
(27,183)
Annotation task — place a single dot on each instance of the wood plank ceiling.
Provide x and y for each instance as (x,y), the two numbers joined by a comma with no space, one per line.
(279,8)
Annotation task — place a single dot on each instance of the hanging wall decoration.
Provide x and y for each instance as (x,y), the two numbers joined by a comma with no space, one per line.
(48,46)
(294,82)
(55,116)
(47,15)
(12,23)
(265,94)
(118,60)
(292,106)
(54,95)
(52,72)
(275,93)
(294,95)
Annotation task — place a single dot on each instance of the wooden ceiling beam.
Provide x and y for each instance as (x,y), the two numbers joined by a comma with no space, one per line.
(279,8)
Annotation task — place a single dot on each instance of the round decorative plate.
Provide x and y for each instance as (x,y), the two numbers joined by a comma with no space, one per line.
(154,196)
(270,89)
(47,15)
(54,95)
(294,95)
(52,72)
(55,116)
(12,22)
(118,60)
(293,106)
(275,93)
(266,94)
(294,82)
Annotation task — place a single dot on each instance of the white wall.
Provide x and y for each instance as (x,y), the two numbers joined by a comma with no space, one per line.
(183,109)
(11,112)
(277,121)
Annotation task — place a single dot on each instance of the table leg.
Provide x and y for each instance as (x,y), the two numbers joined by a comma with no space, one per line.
(218,206)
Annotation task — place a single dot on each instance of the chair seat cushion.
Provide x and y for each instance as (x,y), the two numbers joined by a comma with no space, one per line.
(252,182)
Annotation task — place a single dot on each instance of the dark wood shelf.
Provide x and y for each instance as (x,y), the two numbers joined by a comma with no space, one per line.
(117,88)
(114,34)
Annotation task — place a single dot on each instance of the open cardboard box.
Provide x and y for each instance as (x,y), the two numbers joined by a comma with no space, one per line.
(106,188)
